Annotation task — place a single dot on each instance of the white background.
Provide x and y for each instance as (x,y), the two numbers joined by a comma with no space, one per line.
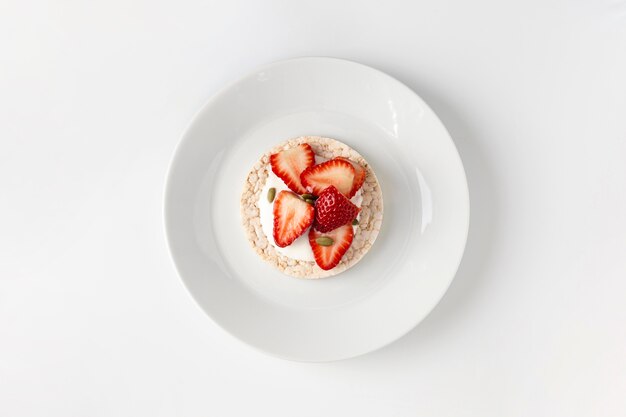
(93,98)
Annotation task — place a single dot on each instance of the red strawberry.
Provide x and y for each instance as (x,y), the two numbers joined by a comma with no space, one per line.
(359,177)
(328,252)
(289,164)
(333,209)
(337,172)
(292,216)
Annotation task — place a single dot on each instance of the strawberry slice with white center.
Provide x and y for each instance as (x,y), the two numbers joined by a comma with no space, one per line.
(359,177)
(289,164)
(329,248)
(333,209)
(337,172)
(292,216)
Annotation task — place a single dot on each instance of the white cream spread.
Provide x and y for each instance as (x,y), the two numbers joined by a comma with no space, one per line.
(300,248)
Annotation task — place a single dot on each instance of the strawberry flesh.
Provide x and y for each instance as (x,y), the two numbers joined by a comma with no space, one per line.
(359,177)
(333,210)
(288,164)
(336,172)
(292,216)
(327,257)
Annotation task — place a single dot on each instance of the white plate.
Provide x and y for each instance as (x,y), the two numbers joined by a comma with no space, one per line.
(411,263)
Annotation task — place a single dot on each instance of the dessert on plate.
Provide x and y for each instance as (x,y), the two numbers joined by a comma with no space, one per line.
(312,207)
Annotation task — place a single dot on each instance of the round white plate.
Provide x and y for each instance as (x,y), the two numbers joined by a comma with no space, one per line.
(404,274)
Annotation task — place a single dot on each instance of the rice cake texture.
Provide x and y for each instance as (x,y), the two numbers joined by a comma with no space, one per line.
(365,233)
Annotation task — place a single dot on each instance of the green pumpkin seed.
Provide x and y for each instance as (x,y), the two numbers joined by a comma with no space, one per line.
(324,241)
(310,201)
(309,197)
(355,222)
(271,193)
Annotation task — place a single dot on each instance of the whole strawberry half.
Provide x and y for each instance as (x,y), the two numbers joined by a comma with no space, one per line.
(328,248)
(288,164)
(336,172)
(333,210)
(292,216)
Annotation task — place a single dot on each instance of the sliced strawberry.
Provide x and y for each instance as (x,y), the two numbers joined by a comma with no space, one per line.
(328,252)
(289,164)
(292,216)
(333,209)
(337,172)
(359,177)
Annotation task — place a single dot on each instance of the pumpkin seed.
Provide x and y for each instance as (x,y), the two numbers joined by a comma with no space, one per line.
(271,193)
(324,241)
